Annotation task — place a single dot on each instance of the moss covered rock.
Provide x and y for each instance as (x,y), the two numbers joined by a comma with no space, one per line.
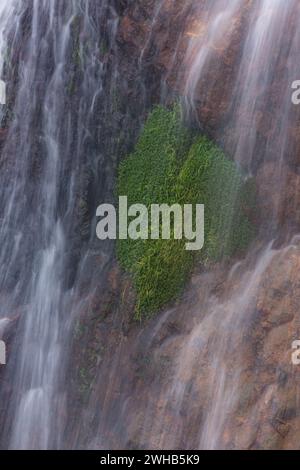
(170,165)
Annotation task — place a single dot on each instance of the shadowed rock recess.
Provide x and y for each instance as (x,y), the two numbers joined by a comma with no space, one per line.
(101,355)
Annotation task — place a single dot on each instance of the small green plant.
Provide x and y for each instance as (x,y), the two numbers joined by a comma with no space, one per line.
(171,165)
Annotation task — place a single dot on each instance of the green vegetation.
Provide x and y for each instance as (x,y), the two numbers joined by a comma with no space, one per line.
(171,165)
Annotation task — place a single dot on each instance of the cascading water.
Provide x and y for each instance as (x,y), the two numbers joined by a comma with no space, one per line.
(262,47)
(65,133)
(54,148)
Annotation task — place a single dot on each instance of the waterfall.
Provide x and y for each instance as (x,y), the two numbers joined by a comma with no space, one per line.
(54,149)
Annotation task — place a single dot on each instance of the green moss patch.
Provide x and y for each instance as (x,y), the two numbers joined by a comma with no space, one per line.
(171,165)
